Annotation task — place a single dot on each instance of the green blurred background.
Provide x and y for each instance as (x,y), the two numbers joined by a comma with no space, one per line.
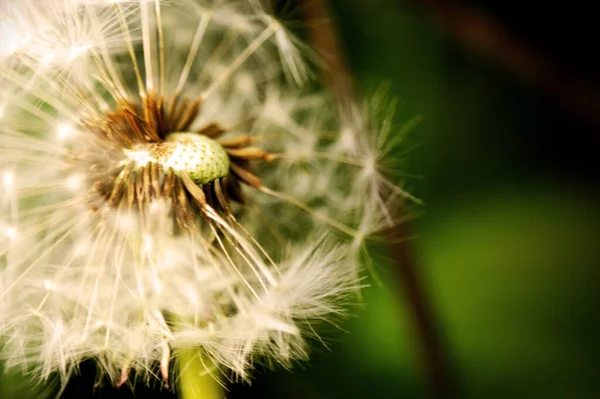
(507,245)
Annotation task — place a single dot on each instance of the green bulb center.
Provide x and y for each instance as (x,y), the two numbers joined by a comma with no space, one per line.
(200,157)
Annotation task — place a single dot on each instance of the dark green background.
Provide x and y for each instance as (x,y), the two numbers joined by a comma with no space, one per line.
(508,239)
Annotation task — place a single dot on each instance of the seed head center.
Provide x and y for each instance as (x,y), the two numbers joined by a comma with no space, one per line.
(200,157)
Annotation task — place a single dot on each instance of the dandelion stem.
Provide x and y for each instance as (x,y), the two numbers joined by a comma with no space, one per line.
(195,382)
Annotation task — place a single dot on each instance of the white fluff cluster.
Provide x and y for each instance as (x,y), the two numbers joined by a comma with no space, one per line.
(86,277)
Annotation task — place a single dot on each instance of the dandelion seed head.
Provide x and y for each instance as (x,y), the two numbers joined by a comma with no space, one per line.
(165,182)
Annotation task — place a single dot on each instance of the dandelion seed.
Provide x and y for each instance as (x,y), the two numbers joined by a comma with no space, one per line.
(163,189)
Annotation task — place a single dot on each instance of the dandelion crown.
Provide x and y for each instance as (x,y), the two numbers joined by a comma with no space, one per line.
(166,185)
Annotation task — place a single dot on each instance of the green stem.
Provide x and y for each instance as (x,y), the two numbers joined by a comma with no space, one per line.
(194,380)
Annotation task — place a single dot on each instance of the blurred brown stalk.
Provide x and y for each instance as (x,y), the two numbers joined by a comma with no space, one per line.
(338,78)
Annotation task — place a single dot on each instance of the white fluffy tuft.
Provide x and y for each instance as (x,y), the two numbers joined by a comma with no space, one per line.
(83,279)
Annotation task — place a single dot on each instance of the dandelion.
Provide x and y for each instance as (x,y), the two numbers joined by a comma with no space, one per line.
(167,188)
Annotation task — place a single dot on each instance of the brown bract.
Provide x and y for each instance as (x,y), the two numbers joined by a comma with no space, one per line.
(116,183)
